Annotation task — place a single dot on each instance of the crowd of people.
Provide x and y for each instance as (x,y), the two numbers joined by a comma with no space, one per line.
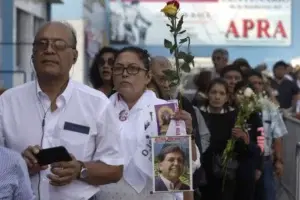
(103,128)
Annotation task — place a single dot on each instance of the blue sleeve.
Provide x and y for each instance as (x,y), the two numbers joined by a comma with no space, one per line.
(24,190)
(278,126)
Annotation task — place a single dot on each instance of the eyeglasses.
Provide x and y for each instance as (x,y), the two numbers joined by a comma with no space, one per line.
(132,70)
(110,61)
(57,45)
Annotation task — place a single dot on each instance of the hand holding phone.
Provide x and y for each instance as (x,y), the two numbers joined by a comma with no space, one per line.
(53,155)
(29,155)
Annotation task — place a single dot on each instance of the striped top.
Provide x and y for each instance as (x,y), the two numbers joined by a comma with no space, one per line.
(14,178)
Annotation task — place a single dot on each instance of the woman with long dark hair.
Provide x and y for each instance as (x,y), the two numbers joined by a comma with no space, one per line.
(239,181)
(100,73)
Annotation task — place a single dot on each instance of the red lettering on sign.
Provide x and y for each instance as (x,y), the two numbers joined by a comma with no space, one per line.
(280,30)
(247,26)
(232,30)
(261,26)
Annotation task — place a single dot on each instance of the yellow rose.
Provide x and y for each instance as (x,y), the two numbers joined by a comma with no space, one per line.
(170,10)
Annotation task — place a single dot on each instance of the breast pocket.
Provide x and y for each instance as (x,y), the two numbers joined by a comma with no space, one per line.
(75,137)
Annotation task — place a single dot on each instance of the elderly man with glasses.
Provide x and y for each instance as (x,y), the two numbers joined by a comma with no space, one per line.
(55,111)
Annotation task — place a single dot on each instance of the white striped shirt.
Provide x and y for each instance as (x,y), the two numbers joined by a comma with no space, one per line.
(15,183)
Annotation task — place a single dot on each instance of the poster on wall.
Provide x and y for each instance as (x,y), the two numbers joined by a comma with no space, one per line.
(94,15)
(208,22)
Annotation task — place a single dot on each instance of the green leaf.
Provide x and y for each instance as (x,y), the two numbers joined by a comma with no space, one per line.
(179,25)
(185,67)
(181,32)
(183,40)
(171,28)
(182,55)
(193,63)
(168,44)
(189,58)
(172,49)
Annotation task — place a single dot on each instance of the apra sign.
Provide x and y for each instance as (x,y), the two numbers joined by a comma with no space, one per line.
(259,29)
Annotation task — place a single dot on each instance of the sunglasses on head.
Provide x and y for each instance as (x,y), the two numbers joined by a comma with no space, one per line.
(109,61)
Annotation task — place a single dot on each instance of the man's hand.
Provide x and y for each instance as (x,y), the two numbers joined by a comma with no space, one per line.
(31,161)
(187,118)
(64,172)
(278,169)
(239,133)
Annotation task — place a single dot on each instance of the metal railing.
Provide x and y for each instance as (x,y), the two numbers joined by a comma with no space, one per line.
(288,187)
(298,171)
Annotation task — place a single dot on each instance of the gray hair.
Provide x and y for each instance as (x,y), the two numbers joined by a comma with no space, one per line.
(222,51)
(73,32)
(68,26)
(160,59)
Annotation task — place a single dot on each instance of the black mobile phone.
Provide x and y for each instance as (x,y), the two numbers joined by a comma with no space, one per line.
(52,155)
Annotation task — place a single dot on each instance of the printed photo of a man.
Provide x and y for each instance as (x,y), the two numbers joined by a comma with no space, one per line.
(171,167)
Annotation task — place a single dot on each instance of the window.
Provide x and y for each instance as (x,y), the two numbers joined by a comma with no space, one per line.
(37,23)
(20,35)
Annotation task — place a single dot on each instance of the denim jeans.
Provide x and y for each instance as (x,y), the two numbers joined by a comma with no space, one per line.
(265,186)
(269,181)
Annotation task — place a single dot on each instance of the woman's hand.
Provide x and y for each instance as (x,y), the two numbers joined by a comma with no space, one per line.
(239,133)
(187,118)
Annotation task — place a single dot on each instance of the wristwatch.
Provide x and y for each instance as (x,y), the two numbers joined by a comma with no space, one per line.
(83,171)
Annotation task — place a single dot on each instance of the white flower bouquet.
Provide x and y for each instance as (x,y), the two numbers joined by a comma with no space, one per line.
(249,103)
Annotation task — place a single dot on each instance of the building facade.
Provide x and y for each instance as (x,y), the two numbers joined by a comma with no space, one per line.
(268,53)
(19,21)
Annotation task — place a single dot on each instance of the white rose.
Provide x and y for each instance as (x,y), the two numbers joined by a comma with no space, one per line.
(251,106)
(248,92)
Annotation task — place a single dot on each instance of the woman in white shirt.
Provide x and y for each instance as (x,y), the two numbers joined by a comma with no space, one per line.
(131,75)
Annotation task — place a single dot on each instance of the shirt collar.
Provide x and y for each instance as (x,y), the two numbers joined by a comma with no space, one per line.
(207,109)
(147,98)
(169,184)
(66,94)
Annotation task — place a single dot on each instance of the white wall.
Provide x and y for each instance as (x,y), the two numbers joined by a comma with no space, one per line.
(77,72)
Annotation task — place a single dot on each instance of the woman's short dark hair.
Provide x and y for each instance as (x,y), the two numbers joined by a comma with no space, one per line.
(241,62)
(254,73)
(219,81)
(94,75)
(141,53)
(230,68)
(214,82)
